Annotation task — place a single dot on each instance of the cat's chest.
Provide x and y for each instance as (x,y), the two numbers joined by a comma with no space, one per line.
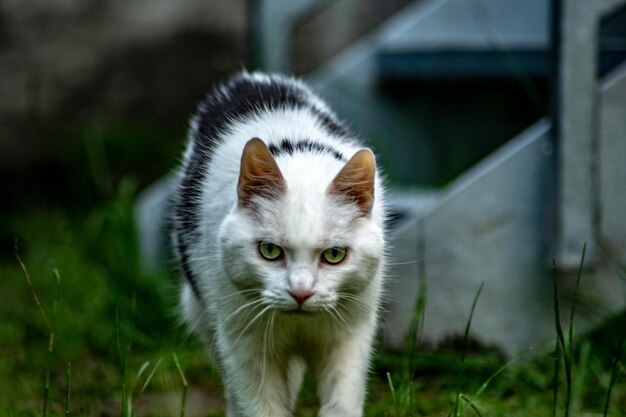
(305,336)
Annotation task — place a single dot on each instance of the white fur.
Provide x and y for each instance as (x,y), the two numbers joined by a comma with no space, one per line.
(248,323)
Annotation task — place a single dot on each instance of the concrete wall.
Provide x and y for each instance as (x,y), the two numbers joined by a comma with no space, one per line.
(492,226)
(611,164)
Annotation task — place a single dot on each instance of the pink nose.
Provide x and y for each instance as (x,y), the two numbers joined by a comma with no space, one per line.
(300,295)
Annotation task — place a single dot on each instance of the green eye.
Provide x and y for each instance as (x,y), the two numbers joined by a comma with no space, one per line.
(334,255)
(270,251)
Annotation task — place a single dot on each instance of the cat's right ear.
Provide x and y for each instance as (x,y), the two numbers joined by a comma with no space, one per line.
(259,176)
(355,182)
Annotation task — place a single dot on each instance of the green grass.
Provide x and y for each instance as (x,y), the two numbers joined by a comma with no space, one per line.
(96,336)
(80,298)
(84,331)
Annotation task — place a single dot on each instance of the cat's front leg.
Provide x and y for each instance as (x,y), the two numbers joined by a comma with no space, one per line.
(255,384)
(342,376)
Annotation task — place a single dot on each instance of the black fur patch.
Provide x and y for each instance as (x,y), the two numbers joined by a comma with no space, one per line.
(288,147)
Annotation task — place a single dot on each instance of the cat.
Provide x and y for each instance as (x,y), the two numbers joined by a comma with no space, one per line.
(279,233)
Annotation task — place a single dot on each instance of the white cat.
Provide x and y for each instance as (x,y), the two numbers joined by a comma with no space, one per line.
(282,245)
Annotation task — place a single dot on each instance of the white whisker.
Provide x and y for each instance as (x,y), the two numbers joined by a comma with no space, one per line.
(273,341)
(241,333)
(264,354)
(243,307)
(336,315)
(241,292)
(200,258)
(417,261)
(350,297)
(195,325)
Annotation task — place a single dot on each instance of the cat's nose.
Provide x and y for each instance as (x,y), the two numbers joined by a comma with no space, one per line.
(300,295)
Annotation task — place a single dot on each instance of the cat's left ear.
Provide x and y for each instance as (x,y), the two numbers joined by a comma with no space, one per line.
(259,175)
(355,181)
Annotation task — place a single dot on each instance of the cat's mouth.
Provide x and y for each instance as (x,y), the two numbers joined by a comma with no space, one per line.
(299,312)
(302,310)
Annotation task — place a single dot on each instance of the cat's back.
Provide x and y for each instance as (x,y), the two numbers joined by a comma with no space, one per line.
(248,97)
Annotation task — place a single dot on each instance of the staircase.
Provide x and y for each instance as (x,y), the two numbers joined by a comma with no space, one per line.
(504,219)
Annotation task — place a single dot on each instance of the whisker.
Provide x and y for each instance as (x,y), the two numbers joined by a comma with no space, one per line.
(417,261)
(273,341)
(200,258)
(351,297)
(337,316)
(194,325)
(358,303)
(264,368)
(241,292)
(243,307)
(252,322)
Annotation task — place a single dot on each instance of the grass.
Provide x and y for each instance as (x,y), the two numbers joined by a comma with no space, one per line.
(84,331)
(103,347)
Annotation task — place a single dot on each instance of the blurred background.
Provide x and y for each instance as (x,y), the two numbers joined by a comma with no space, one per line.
(72,69)
(486,116)
(75,68)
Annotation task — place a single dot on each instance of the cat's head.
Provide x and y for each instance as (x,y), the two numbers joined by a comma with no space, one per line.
(306,234)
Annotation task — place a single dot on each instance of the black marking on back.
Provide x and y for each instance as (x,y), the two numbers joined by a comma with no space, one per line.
(227,104)
(330,123)
(288,147)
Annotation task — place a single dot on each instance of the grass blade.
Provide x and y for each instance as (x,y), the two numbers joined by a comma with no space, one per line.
(149,377)
(185,385)
(557,315)
(571,318)
(485,384)
(557,371)
(562,348)
(394,397)
(48,325)
(67,389)
(411,399)
(129,396)
(57,297)
(569,352)
(142,369)
(457,404)
(580,382)
(618,358)
(471,405)
(122,363)
(32,291)
(565,350)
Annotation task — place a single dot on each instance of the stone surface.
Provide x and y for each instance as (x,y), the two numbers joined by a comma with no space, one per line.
(580,125)
(576,123)
(494,226)
(612,163)
(491,226)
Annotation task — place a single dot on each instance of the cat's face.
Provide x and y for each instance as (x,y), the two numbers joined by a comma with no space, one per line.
(303,242)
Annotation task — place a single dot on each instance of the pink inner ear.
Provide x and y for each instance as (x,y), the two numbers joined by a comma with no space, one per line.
(355,181)
(259,175)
